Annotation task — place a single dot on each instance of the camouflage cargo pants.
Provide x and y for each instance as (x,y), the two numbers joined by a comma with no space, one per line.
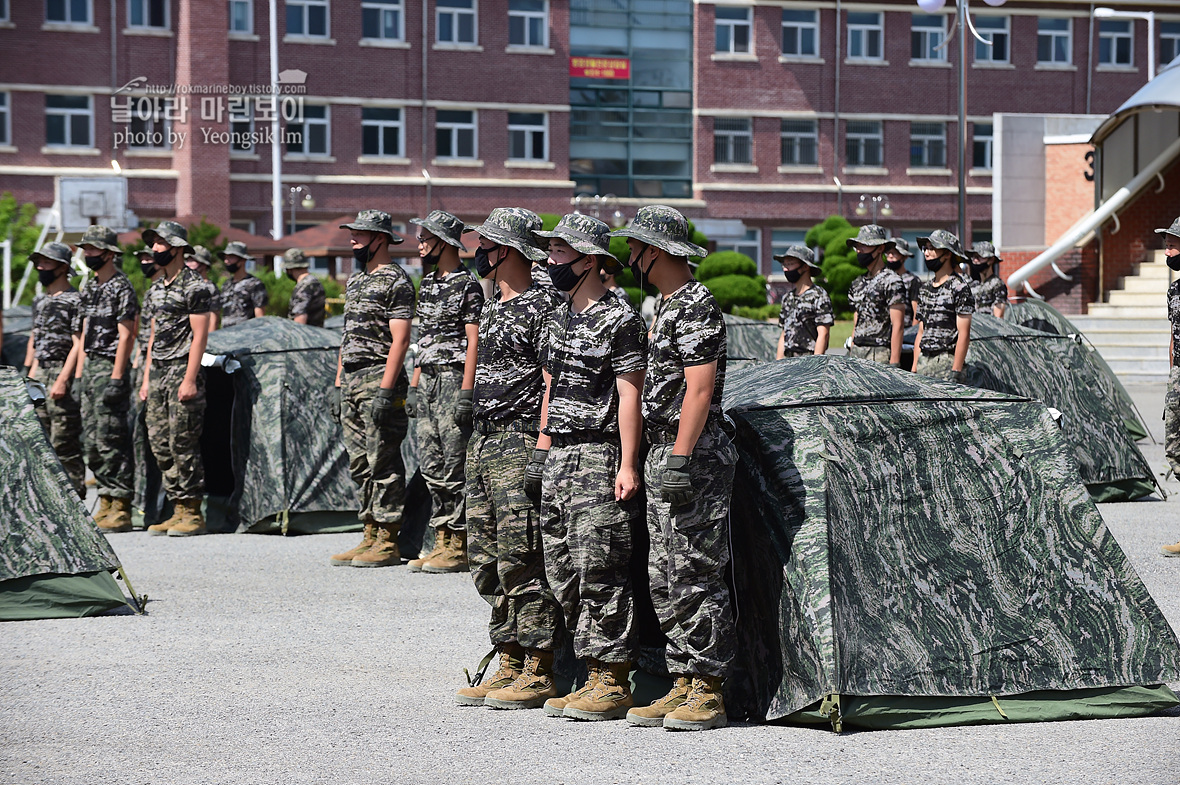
(936,366)
(689,555)
(877,354)
(62,421)
(174,429)
(504,542)
(442,445)
(1172,420)
(374,453)
(107,431)
(587,543)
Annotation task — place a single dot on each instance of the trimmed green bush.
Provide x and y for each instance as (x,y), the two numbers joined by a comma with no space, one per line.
(734,290)
(722,263)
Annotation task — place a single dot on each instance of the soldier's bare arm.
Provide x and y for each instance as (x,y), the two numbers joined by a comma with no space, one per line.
(699,381)
(964,325)
(147,360)
(629,386)
(123,351)
(917,348)
(260,312)
(199,322)
(399,331)
(29,358)
(472,352)
(780,351)
(897,319)
(821,339)
(999,308)
(302,319)
(543,440)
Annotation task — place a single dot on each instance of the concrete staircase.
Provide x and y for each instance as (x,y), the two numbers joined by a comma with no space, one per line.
(1131,330)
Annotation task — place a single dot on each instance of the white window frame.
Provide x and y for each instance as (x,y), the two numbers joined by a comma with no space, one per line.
(158,113)
(5,119)
(454,127)
(147,13)
(249,4)
(730,138)
(1169,31)
(797,136)
(240,118)
(325,121)
(862,138)
(306,6)
(528,131)
(750,245)
(68,113)
(381,6)
(861,33)
(733,25)
(455,13)
(929,53)
(1112,39)
(920,135)
(526,16)
(87,22)
(381,125)
(1067,34)
(988,140)
(798,27)
(985,53)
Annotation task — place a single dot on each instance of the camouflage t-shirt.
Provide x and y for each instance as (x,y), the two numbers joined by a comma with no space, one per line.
(308,298)
(912,285)
(586,353)
(938,310)
(801,317)
(1174,318)
(240,298)
(56,317)
(872,298)
(371,301)
(508,381)
(187,295)
(214,297)
(624,298)
(104,305)
(446,306)
(689,330)
(540,275)
(989,294)
(146,311)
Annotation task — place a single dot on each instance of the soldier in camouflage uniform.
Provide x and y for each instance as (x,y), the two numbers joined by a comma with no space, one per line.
(55,353)
(806,316)
(987,287)
(612,286)
(441,393)
(146,473)
(174,381)
(689,474)
(109,308)
(504,540)
(944,313)
(371,384)
(586,464)
(200,261)
(243,296)
(1171,237)
(878,299)
(895,261)
(308,300)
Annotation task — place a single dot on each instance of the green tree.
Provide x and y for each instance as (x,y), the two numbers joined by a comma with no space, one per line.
(19,222)
(839,261)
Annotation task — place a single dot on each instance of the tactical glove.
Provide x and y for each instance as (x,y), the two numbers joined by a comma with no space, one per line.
(956,377)
(383,407)
(412,402)
(676,485)
(534,472)
(334,404)
(894,365)
(463,410)
(116,392)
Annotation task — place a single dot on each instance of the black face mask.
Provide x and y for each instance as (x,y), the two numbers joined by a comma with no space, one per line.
(290,275)
(46,277)
(148,269)
(364,253)
(935,264)
(564,277)
(977,271)
(1173,262)
(431,259)
(96,263)
(637,271)
(895,266)
(232,268)
(864,259)
(793,275)
(162,258)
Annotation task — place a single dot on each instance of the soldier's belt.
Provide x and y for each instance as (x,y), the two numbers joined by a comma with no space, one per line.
(502,426)
(583,437)
(660,435)
(172,361)
(353,367)
(442,368)
(936,352)
(871,345)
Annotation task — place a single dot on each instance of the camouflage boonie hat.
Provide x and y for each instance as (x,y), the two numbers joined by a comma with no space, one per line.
(54,252)
(665,228)
(170,233)
(943,240)
(984,250)
(442,225)
(902,246)
(515,227)
(102,238)
(1173,230)
(800,252)
(236,248)
(584,233)
(374,221)
(294,258)
(142,252)
(201,255)
(871,234)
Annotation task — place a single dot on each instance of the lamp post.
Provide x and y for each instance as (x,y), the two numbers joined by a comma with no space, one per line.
(601,205)
(1110,13)
(868,203)
(307,202)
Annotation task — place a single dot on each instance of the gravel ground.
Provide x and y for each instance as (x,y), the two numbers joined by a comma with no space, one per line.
(259,663)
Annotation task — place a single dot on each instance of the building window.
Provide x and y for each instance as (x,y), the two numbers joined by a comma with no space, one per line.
(732,140)
(1054,45)
(994,29)
(381,132)
(241,125)
(927,32)
(311,135)
(866,30)
(1169,42)
(1115,42)
(241,16)
(147,13)
(382,19)
(800,143)
(800,33)
(863,140)
(454,134)
(750,244)
(307,18)
(3,10)
(732,29)
(69,121)
(148,129)
(455,22)
(528,23)
(928,145)
(981,146)
(70,12)
(528,136)
(5,121)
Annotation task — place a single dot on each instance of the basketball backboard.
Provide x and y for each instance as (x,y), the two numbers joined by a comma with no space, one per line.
(86,201)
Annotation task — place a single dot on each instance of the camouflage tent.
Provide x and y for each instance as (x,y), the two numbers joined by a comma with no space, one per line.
(910,552)
(1039,315)
(53,561)
(749,339)
(18,323)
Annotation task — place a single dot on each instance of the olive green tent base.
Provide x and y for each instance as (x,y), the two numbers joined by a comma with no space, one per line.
(1120,491)
(327,522)
(59,596)
(899,712)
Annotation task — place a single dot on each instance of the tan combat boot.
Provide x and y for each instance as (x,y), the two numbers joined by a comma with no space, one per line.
(511,664)
(163,526)
(193,522)
(704,709)
(104,509)
(118,517)
(555,707)
(384,552)
(531,688)
(611,697)
(441,536)
(453,559)
(345,559)
(653,716)
(1171,550)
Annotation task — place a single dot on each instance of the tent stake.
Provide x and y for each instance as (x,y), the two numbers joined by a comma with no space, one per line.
(137,601)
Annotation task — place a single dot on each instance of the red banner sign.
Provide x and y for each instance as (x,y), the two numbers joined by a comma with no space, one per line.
(600,67)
